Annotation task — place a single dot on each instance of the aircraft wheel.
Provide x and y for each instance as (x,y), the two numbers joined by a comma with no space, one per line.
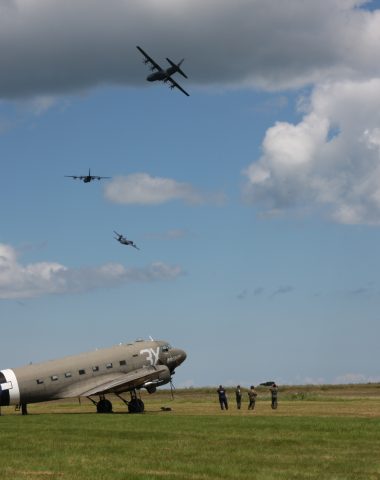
(136,406)
(104,406)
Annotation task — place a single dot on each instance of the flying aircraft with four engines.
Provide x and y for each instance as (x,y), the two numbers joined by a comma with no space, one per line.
(127,367)
(86,178)
(164,75)
(124,240)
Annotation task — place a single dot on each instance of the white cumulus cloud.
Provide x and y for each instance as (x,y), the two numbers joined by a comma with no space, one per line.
(330,160)
(19,281)
(143,189)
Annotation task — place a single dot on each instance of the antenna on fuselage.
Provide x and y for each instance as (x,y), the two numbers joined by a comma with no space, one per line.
(151,339)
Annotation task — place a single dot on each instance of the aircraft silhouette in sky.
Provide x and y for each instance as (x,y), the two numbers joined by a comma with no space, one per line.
(86,178)
(124,240)
(164,75)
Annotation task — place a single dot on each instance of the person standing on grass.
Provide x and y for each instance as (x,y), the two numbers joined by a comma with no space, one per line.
(274,391)
(222,398)
(252,394)
(238,397)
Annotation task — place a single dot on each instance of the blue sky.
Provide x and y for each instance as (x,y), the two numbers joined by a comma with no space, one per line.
(255,202)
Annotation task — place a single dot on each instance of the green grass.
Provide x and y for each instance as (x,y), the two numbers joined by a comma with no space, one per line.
(301,440)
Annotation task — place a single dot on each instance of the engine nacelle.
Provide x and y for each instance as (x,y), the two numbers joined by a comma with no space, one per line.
(163,377)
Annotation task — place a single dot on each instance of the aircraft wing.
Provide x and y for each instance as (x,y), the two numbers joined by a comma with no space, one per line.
(118,383)
(174,84)
(97,178)
(74,176)
(149,59)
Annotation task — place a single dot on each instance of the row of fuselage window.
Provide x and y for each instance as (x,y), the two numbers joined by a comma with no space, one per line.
(82,371)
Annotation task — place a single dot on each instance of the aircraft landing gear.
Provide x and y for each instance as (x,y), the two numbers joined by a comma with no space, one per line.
(24,409)
(135,404)
(103,405)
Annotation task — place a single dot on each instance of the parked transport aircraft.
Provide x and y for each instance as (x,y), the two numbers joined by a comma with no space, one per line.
(127,367)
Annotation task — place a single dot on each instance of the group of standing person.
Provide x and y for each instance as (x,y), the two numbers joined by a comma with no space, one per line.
(252,394)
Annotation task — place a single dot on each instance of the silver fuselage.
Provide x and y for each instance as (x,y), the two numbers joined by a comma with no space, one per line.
(64,377)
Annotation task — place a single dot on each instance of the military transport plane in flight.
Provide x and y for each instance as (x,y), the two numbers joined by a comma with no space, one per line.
(164,75)
(127,367)
(124,240)
(86,178)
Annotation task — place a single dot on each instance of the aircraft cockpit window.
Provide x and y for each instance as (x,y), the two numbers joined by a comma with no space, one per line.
(95,369)
(123,362)
(109,365)
(82,372)
(166,348)
(68,374)
(39,381)
(54,378)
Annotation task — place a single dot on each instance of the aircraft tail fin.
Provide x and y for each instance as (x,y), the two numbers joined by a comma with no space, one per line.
(177,66)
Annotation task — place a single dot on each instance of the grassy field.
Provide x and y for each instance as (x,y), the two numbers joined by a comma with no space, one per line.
(316,433)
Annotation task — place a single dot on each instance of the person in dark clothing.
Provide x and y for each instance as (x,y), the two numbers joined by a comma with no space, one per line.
(238,397)
(274,391)
(252,394)
(222,398)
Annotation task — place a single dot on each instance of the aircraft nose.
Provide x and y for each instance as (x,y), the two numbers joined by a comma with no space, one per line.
(177,356)
(181,356)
